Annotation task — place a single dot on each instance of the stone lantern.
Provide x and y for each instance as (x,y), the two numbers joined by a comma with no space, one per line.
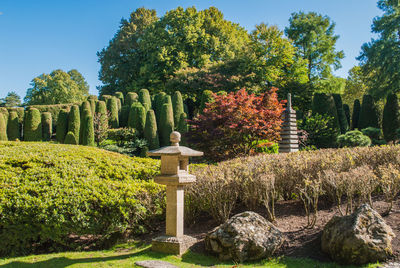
(174,174)
(289,138)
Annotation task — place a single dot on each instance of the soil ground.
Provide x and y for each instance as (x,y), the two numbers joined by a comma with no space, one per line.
(301,242)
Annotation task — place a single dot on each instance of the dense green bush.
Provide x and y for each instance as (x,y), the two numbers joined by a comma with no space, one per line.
(391,118)
(32,125)
(375,134)
(177,106)
(54,109)
(124,116)
(121,135)
(183,127)
(3,128)
(13,129)
(120,96)
(319,130)
(131,97)
(206,97)
(150,131)
(88,131)
(166,123)
(353,138)
(324,104)
(343,123)
(47,126)
(144,98)
(356,114)
(112,107)
(62,126)
(74,122)
(70,138)
(49,192)
(369,113)
(346,109)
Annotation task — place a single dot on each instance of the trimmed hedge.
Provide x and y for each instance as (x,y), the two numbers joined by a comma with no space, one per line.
(3,128)
(144,98)
(74,122)
(62,126)
(131,97)
(88,132)
(112,107)
(369,113)
(54,109)
(177,105)
(391,118)
(150,131)
(47,126)
(166,123)
(13,126)
(49,192)
(356,114)
(32,125)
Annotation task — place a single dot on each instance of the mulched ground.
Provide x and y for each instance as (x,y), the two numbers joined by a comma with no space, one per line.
(291,220)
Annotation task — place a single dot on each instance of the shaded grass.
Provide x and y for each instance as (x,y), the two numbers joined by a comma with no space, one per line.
(126,255)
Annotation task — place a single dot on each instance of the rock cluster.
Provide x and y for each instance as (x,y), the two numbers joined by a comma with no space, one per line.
(246,236)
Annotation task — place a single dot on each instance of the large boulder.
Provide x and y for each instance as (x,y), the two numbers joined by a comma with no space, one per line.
(359,238)
(246,236)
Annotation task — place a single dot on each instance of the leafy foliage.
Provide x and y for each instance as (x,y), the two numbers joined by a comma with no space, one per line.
(57,87)
(32,125)
(231,124)
(11,100)
(319,130)
(369,113)
(47,126)
(353,138)
(391,118)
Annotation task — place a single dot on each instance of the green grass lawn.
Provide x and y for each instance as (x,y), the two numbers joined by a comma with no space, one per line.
(126,255)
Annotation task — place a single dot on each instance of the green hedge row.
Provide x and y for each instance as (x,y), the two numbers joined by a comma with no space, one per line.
(50,192)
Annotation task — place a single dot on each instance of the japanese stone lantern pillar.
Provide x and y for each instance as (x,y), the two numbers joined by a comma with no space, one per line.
(289,138)
(174,174)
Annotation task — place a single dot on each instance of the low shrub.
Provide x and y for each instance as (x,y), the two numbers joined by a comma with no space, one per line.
(50,192)
(353,138)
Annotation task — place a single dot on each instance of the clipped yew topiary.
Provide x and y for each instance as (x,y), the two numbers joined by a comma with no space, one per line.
(206,97)
(92,106)
(183,127)
(324,104)
(47,126)
(137,118)
(13,130)
(88,132)
(120,96)
(391,118)
(70,138)
(85,109)
(112,107)
(346,109)
(74,122)
(355,117)
(3,128)
(150,131)
(344,125)
(144,98)
(32,125)
(101,107)
(119,105)
(131,97)
(369,113)
(105,97)
(62,126)
(166,123)
(124,115)
(177,106)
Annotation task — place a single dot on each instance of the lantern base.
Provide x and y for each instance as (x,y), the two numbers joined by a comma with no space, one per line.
(172,245)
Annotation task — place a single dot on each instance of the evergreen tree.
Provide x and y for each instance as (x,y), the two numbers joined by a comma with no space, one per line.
(70,138)
(356,114)
(13,132)
(3,129)
(150,131)
(324,104)
(137,118)
(120,96)
(177,105)
(369,113)
(183,127)
(62,126)
(88,132)
(33,125)
(158,102)
(74,121)
(391,118)
(166,123)
(47,126)
(92,106)
(124,115)
(346,109)
(144,98)
(344,125)
(206,97)
(85,106)
(112,107)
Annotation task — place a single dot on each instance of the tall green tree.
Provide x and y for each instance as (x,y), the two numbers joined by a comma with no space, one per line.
(356,85)
(147,50)
(315,39)
(379,56)
(391,118)
(12,99)
(57,87)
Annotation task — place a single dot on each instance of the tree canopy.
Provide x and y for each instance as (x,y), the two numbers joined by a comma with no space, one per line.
(380,58)
(57,87)
(12,99)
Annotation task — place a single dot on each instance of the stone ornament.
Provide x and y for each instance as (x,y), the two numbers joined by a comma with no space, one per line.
(174,174)
(289,138)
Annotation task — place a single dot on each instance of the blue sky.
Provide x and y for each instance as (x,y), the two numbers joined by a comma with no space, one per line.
(39,36)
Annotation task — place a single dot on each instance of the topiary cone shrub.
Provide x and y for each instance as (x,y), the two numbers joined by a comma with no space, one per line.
(33,125)
(150,131)
(13,130)
(346,109)
(177,105)
(391,118)
(62,126)
(120,96)
(112,107)
(47,126)
(356,114)
(166,123)
(70,138)
(144,98)
(3,128)
(343,123)
(369,113)
(74,122)
(88,132)
(131,97)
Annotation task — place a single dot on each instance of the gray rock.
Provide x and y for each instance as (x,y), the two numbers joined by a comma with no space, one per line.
(155,264)
(359,238)
(246,236)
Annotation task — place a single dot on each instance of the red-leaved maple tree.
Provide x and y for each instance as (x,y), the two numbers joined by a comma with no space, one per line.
(233,124)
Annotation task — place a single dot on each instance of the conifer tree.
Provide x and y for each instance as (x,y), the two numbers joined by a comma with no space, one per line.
(150,131)
(183,127)
(62,126)
(346,109)
(74,121)
(112,108)
(88,132)
(177,105)
(391,118)
(131,97)
(144,98)
(13,132)
(369,113)
(33,125)
(3,128)
(166,123)
(355,117)
(47,126)
(344,125)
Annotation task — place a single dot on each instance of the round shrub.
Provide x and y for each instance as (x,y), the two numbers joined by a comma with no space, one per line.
(70,138)
(131,97)
(52,191)
(62,126)
(74,122)
(47,126)
(13,132)
(354,138)
(3,128)
(32,125)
